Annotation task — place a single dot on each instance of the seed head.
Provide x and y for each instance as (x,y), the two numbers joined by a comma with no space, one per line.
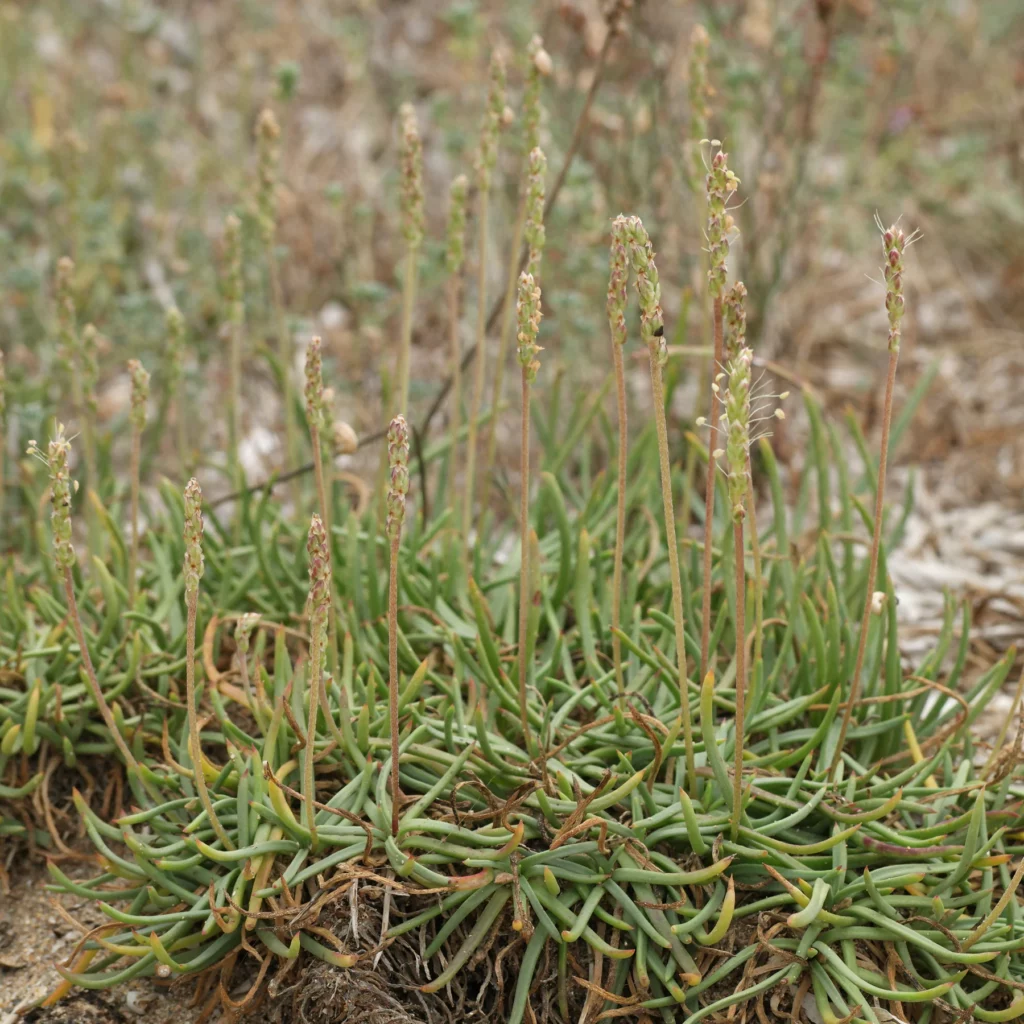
(243,630)
(398,467)
(90,366)
(267,134)
(66,326)
(540,67)
(721,183)
(528,316)
(648,286)
(233,286)
(140,393)
(314,385)
(735,316)
(894,242)
(494,117)
(175,348)
(534,228)
(618,279)
(61,487)
(319,571)
(455,251)
(736,423)
(193,567)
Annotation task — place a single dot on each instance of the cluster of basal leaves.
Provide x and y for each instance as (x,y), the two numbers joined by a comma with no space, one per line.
(888,887)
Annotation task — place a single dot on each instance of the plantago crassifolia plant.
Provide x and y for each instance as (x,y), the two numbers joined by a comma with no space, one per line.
(652,331)
(137,415)
(486,160)
(398,488)
(319,605)
(234,289)
(412,229)
(618,281)
(316,416)
(193,572)
(894,244)
(528,314)
(539,66)
(56,460)
(454,257)
(721,183)
(736,424)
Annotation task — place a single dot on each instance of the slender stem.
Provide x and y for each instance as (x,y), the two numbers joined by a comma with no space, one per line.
(405,352)
(709,500)
(396,793)
(876,541)
(90,675)
(741,677)
(456,403)
(184,458)
(321,493)
(133,563)
(508,308)
(524,570)
(620,519)
(234,378)
(316,657)
(285,357)
(755,547)
(658,393)
(194,746)
(478,373)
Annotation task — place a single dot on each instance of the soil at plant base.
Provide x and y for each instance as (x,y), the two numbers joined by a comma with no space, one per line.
(34,936)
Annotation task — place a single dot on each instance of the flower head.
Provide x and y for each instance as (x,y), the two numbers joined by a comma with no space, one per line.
(344,438)
(735,319)
(721,183)
(193,568)
(66,326)
(494,118)
(314,390)
(648,286)
(540,67)
(319,570)
(528,316)
(233,286)
(412,178)
(699,88)
(398,469)
(618,279)
(894,243)
(61,487)
(243,630)
(534,228)
(736,423)
(455,249)
(90,366)
(175,347)
(267,134)
(140,393)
